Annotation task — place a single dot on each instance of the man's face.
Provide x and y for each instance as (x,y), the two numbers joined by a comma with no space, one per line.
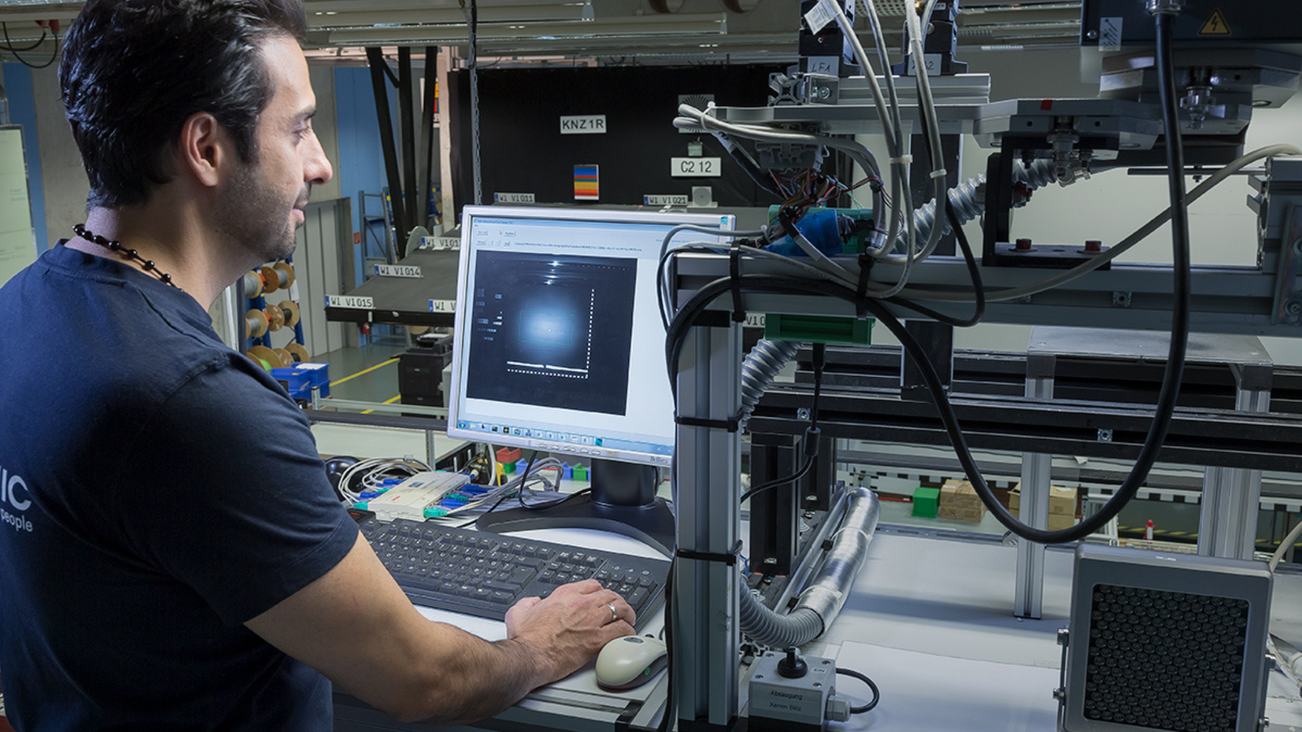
(263,202)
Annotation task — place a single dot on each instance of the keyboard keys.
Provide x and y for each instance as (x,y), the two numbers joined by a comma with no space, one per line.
(485,574)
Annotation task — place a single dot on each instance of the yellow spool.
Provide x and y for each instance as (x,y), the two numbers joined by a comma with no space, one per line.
(270,279)
(283,357)
(275,316)
(265,356)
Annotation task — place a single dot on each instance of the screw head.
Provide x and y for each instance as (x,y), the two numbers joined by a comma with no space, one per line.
(1092,35)
(1293,307)
(1022,245)
(1093,246)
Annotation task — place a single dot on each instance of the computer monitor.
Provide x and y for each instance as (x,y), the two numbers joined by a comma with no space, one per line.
(559,347)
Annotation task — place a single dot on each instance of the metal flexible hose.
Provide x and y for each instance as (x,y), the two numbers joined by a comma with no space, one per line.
(963,197)
(822,600)
(759,369)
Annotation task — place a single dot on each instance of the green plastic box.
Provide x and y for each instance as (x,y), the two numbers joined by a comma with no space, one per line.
(926,501)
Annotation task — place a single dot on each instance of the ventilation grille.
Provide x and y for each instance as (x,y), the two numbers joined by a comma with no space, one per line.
(1165,660)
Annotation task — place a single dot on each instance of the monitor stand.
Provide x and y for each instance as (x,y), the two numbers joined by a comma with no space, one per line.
(623,501)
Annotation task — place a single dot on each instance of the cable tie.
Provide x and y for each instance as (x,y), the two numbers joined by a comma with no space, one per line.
(905,159)
(939,173)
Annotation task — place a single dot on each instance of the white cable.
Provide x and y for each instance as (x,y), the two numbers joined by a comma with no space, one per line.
(1285,545)
(902,211)
(927,110)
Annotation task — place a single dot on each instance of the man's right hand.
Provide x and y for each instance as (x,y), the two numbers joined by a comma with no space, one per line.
(571,625)
(356,627)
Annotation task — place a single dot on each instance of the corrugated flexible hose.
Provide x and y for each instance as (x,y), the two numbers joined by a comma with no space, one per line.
(822,600)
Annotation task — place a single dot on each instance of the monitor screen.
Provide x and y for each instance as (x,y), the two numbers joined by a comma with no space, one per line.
(558,341)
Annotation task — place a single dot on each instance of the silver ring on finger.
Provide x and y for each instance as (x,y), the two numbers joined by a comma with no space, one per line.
(614,614)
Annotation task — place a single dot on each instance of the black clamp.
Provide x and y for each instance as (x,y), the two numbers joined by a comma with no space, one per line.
(731,425)
(866,262)
(729,559)
(734,268)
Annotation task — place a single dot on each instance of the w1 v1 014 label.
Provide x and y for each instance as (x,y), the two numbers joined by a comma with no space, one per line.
(397,270)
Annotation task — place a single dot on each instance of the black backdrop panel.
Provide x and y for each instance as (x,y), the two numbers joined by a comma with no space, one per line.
(523,151)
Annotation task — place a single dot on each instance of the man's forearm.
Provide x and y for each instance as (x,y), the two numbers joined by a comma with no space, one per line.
(461,677)
(479,679)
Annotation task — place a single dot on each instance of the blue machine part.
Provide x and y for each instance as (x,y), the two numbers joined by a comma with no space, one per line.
(821,228)
(301,377)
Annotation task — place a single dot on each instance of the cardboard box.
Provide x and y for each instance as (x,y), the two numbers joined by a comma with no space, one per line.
(959,502)
(1062,501)
(1057,522)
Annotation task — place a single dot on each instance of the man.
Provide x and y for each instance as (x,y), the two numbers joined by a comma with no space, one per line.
(171,554)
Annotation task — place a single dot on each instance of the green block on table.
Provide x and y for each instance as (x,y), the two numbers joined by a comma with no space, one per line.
(925,502)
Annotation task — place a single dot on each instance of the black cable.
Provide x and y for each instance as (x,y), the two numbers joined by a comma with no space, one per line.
(498,502)
(1139,473)
(524,478)
(877,694)
(9,45)
(1174,372)
(53,57)
(809,444)
(973,269)
(804,469)
(505,494)
(553,504)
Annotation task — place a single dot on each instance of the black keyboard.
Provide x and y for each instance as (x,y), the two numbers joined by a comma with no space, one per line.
(482,574)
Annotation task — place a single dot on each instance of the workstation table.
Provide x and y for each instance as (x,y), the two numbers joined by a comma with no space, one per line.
(929,620)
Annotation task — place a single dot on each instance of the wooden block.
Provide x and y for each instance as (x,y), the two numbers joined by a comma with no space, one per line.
(1062,501)
(959,502)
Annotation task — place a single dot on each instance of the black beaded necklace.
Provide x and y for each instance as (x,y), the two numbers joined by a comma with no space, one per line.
(116,246)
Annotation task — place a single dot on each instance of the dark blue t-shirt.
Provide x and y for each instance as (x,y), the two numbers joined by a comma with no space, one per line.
(159,490)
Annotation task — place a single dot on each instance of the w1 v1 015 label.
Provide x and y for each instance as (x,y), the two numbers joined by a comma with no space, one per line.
(351,302)
(442,306)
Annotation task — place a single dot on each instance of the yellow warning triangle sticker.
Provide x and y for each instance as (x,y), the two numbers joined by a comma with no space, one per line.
(1215,25)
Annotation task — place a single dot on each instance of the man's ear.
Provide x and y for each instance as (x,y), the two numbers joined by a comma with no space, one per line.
(204,149)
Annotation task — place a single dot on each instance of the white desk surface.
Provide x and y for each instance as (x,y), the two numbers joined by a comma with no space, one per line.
(584,681)
(930,621)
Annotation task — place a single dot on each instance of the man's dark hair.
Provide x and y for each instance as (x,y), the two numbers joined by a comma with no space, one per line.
(134,71)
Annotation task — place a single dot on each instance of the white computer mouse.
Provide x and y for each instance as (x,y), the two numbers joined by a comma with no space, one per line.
(629,662)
